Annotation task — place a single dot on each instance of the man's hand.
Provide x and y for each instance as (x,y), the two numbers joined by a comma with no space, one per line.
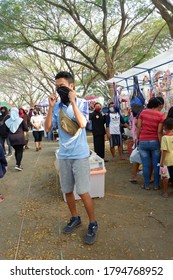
(72,96)
(109,135)
(52,99)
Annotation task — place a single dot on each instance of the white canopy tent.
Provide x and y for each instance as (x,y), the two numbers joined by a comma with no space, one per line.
(162,61)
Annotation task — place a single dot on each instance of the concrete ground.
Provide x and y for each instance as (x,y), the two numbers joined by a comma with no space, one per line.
(133,223)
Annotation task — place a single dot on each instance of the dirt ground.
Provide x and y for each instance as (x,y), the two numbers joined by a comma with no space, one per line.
(133,223)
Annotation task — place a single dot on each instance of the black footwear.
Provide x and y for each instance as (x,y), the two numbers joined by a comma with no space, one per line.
(74,223)
(90,237)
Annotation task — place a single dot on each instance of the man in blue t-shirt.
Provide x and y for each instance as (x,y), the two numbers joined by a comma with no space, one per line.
(73,152)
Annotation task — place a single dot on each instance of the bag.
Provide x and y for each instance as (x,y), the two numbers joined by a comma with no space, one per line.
(137,97)
(68,125)
(135,156)
(136,109)
(164,172)
(2,170)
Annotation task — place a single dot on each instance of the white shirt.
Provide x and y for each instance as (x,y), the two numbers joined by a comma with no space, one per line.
(114,125)
(37,120)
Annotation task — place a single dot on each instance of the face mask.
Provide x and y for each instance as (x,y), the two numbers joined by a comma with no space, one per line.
(98,109)
(63,93)
(111,109)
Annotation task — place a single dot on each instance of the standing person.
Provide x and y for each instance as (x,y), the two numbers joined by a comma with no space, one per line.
(170,115)
(136,109)
(3,167)
(98,129)
(149,133)
(17,126)
(37,122)
(30,114)
(167,154)
(73,151)
(24,116)
(114,120)
(4,131)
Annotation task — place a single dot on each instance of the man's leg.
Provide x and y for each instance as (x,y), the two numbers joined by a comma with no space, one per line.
(89,207)
(75,220)
(71,204)
(67,186)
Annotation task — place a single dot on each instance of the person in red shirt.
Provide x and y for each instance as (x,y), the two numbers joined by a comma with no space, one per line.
(149,133)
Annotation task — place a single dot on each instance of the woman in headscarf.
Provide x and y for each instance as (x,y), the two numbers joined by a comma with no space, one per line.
(17,126)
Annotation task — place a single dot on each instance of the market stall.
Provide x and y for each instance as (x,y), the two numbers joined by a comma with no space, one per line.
(155,77)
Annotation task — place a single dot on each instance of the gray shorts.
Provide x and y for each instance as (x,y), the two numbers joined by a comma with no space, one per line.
(75,172)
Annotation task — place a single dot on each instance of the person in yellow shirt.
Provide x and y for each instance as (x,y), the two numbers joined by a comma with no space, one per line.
(166,164)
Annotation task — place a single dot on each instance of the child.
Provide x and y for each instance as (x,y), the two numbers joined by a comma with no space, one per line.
(3,163)
(166,164)
(113,129)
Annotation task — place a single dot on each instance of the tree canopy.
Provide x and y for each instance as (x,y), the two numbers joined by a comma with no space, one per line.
(92,39)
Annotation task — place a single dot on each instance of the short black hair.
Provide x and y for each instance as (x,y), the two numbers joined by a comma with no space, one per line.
(154,102)
(168,124)
(97,104)
(65,75)
(111,103)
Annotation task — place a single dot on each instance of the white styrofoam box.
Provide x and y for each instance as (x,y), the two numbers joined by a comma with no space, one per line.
(95,161)
(97,181)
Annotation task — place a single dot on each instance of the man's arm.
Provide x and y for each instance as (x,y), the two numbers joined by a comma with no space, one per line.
(107,126)
(80,118)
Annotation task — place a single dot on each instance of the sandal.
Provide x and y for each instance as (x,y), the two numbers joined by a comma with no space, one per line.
(156,188)
(145,188)
(133,181)
(165,195)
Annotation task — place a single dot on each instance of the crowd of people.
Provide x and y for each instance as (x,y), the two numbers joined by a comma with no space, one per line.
(152,133)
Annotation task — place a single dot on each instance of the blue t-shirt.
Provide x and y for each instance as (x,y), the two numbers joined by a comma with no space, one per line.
(71,147)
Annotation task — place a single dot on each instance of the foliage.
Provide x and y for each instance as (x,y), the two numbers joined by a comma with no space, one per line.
(92,39)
